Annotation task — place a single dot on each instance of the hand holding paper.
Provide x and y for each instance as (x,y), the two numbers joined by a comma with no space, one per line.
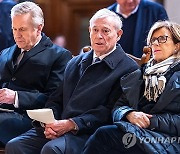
(42,115)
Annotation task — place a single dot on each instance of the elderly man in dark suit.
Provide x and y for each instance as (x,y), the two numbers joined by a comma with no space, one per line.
(83,103)
(29,72)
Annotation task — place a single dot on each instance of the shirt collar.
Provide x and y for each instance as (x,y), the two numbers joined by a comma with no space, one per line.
(105,55)
(124,15)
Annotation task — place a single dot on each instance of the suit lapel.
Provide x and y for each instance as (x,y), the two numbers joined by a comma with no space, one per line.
(113,59)
(86,61)
(41,46)
(11,54)
(30,54)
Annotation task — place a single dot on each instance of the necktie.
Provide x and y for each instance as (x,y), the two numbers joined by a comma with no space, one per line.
(19,58)
(96,59)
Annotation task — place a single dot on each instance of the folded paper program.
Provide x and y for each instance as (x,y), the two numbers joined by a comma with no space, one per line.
(42,115)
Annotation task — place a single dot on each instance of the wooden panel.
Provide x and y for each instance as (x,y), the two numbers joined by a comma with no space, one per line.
(70,18)
(2,151)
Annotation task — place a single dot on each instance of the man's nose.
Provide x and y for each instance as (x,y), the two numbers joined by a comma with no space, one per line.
(129,1)
(17,33)
(99,35)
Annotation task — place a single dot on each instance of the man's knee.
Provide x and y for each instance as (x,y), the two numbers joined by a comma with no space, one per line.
(11,146)
(96,137)
(51,148)
(103,131)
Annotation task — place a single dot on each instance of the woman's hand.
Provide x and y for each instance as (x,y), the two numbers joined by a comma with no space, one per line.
(139,118)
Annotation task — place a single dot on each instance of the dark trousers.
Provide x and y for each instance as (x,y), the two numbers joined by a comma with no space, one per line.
(109,140)
(34,142)
(13,124)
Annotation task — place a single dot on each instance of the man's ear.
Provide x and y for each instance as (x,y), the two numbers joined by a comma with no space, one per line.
(119,34)
(89,32)
(89,29)
(40,27)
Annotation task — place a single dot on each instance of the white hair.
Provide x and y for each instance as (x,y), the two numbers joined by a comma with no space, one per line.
(105,13)
(29,7)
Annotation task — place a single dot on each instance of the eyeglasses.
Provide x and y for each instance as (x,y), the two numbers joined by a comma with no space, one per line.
(160,39)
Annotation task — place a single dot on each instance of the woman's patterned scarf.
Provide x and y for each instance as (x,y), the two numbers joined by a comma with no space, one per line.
(154,77)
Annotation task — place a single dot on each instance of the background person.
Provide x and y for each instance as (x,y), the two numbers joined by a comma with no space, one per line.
(154,116)
(84,101)
(27,78)
(6,36)
(60,40)
(137,16)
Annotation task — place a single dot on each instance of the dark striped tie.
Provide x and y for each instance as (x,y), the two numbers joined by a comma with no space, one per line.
(97,60)
(19,58)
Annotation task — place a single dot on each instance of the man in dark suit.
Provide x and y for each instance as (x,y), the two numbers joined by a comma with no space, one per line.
(138,16)
(83,103)
(29,72)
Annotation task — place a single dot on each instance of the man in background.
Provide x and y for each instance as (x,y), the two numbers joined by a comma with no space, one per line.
(137,16)
(6,36)
(60,40)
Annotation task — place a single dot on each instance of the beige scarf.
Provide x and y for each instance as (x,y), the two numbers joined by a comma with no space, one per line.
(154,77)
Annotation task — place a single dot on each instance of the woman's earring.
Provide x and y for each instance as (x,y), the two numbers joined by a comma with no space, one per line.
(177,48)
(175,51)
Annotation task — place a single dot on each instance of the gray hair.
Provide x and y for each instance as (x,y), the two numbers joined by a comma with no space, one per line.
(173,27)
(29,7)
(105,13)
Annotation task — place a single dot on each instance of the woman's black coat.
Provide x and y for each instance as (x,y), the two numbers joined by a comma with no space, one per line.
(163,134)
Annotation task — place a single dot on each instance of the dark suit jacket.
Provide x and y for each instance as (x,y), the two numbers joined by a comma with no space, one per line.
(39,73)
(88,94)
(148,13)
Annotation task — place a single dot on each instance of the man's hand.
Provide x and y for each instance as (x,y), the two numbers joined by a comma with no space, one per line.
(58,128)
(7,96)
(139,118)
